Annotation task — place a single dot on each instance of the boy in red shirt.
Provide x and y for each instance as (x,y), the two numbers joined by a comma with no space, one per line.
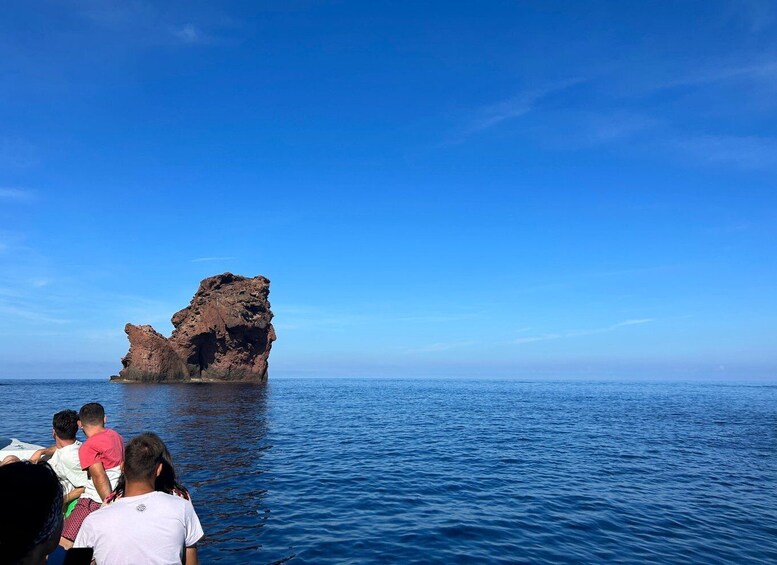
(101,456)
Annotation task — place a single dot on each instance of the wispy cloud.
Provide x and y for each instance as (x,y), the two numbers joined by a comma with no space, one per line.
(744,152)
(147,21)
(532,339)
(189,33)
(580,333)
(15,194)
(209,259)
(434,318)
(30,314)
(512,108)
(636,322)
(764,71)
(615,127)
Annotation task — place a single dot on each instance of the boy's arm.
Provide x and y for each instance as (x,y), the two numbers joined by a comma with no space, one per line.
(48,451)
(100,479)
(73,494)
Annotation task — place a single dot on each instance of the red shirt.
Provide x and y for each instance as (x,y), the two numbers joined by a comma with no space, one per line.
(106,447)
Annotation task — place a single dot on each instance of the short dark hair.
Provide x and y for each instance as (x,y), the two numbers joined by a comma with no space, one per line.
(65,424)
(32,498)
(141,457)
(92,414)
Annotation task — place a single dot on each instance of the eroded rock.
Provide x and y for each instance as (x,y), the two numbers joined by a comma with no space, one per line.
(224,334)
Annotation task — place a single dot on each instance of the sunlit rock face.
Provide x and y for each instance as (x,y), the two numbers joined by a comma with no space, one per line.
(225,334)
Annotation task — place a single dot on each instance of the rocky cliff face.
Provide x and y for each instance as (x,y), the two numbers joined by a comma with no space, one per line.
(225,334)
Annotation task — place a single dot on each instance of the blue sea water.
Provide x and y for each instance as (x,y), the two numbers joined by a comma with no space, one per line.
(452,471)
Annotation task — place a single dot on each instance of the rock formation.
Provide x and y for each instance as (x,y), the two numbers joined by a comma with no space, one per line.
(225,334)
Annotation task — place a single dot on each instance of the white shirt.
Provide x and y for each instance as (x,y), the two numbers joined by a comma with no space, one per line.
(152,529)
(68,468)
(91,491)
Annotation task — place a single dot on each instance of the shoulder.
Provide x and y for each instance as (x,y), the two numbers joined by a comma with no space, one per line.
(175,505)
(70,449)
(91,442)
(168,499)
(113,436)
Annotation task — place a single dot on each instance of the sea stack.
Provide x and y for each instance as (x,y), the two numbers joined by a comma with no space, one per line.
(224,335)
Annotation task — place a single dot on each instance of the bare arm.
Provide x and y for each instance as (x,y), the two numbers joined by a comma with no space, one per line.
(100,479)
(48,452)
(73,494)
(190,557)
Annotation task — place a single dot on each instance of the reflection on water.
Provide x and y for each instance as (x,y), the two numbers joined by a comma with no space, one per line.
(217,434)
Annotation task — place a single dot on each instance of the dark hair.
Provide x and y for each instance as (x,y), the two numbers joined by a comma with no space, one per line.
(166,481)
(141,457)
(32,498)
(65,424)
(92,414)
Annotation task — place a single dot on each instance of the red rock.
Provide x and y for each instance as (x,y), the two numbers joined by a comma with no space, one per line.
(224,334)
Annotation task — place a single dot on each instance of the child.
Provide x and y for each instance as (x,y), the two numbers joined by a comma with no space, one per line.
(101,456)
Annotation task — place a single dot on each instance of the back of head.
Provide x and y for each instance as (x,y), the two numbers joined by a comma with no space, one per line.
(32,519)
(92,414)
(65,424)
(142,456)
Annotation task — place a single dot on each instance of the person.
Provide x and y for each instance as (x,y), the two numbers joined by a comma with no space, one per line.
(166,482)
(31,523)
(63,455)
(101,456)
(144,525)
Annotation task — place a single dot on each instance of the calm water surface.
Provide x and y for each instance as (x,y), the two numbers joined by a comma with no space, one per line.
(448,471)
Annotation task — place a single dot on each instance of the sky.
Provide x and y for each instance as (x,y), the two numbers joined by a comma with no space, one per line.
(526,189)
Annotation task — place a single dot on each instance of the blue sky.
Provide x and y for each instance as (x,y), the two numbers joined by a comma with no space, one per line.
(563,189)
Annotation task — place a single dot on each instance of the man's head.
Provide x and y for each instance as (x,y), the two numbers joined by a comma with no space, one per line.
(65,424)
(143,458)
(92,414)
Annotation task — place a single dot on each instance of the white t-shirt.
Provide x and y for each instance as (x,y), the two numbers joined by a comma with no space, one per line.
(68,468)
(91,491)
(152,529)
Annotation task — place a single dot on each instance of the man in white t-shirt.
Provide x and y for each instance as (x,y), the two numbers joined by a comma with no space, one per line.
(64,455)
(143,526)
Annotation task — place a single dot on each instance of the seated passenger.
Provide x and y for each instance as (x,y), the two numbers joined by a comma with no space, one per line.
(64,455)
(167,481)
(100,456)
(31,522)
(144,525)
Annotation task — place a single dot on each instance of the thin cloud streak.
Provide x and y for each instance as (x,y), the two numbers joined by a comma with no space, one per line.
(495,114)
(745,152)
(30,314)
(580,333)
(15,194)
(208,259)
(761,71)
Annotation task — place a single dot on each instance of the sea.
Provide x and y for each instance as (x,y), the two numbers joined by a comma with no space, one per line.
(334,471)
